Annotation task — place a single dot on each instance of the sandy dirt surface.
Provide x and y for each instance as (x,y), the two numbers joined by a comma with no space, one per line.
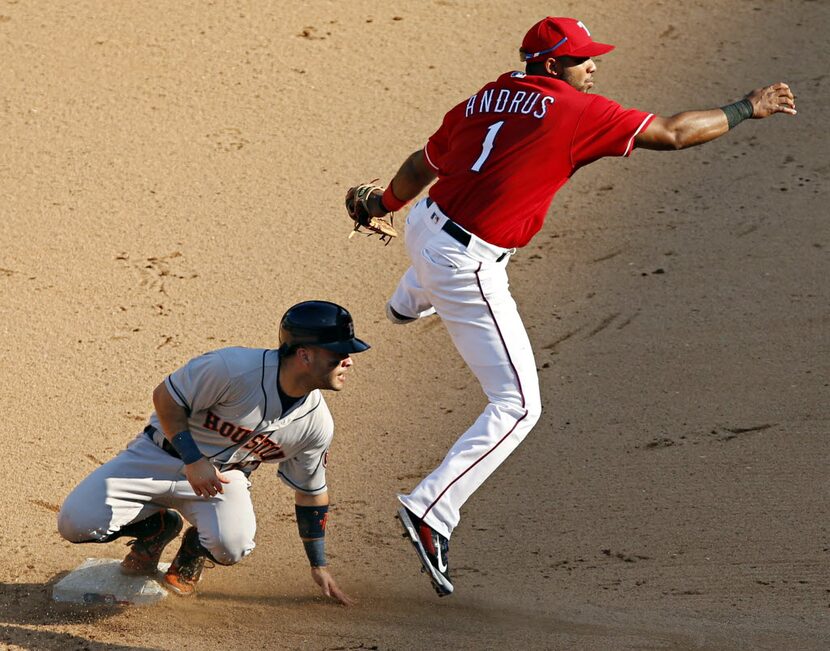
(172,176)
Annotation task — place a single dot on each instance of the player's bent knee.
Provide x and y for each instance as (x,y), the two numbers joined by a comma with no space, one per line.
(79,529)
(66,527)
(534,413)
(396,317)
(228,552)
(227,556)
(533,406)
(527,412)
(533,416)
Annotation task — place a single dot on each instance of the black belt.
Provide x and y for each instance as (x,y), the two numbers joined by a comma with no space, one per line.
(452,229)
(166,445)
(457,233)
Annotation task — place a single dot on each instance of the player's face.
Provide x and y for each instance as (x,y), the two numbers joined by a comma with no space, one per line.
(578,73)
(328,368)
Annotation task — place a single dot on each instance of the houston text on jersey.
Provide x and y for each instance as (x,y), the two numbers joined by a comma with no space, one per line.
(261,445)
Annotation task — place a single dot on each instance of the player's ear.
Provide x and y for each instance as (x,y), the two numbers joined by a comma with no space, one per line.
(550,67)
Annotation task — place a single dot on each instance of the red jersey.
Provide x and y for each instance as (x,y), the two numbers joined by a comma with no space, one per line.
(502,154)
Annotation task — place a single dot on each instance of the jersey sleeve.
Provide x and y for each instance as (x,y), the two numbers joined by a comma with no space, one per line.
(201,383)
(439,142)
(606,129)
(306,471)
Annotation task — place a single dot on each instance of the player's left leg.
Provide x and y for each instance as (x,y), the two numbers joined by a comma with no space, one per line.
(226,522)
(474,302)
(223,530)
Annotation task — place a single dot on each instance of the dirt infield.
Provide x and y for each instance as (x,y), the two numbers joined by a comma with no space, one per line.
(172,180)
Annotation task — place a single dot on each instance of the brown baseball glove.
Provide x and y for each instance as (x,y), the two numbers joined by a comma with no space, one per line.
(357,206)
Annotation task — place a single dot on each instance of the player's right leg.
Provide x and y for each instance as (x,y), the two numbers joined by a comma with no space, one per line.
(125,497)
(410,301)
(151,536)
(126,490)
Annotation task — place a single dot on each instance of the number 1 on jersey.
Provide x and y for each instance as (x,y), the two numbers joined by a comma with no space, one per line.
(487,145)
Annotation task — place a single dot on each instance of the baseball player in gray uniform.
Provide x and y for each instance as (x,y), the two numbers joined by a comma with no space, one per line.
(216,419)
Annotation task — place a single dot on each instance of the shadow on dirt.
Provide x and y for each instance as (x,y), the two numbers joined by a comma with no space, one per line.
(24,606)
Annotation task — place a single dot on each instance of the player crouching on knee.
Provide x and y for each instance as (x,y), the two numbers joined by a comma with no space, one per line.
(216,420)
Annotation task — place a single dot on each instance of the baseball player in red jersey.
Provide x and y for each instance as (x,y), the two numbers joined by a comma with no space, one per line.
(499,157)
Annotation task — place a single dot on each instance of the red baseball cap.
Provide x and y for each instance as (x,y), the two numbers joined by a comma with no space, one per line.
(560,37)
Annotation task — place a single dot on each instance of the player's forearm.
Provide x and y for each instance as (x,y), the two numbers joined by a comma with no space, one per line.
(312,514)
(697,127)
(684,130)
(412,177)
(304,499)
(175,428)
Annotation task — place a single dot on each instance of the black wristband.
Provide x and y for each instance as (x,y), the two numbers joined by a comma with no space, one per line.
(311,521)
(186,447)
(316,552)
(737,112)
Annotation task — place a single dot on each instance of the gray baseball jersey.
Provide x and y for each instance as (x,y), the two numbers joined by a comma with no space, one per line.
(235,416)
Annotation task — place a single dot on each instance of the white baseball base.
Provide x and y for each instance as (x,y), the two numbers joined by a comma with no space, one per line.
(99,581)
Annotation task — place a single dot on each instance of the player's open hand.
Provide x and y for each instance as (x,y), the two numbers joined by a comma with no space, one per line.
(205,479)
(769,100)
(327,584)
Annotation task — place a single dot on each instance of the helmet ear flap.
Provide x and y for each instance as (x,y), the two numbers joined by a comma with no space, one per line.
(284,338)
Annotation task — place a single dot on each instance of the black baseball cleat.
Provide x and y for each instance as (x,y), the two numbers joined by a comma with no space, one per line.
(146,550)
(432,549)
(186,569)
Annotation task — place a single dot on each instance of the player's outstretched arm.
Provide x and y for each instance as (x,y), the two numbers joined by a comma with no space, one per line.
(312,515)
(692,128)
(413,176)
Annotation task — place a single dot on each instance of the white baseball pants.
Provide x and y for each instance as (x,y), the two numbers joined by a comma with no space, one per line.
(467,286)
(142,480)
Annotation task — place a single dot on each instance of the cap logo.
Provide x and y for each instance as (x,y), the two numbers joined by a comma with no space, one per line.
(582,25)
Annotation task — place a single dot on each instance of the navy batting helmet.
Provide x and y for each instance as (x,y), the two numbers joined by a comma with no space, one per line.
(319,323)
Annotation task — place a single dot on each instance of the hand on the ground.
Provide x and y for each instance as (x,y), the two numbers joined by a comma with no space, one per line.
(205,479)
(327,584)
(769,100)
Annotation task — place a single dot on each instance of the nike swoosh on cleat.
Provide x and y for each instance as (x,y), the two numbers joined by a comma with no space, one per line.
(442,564)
